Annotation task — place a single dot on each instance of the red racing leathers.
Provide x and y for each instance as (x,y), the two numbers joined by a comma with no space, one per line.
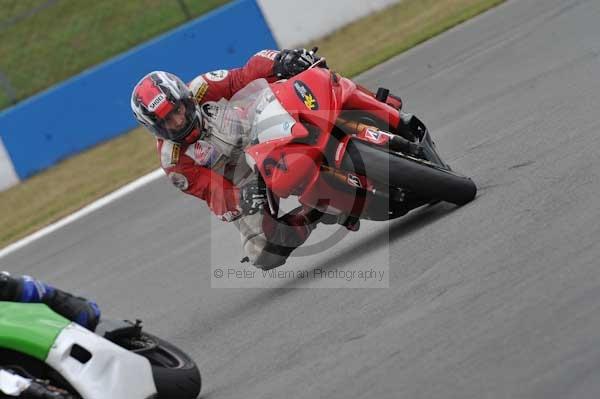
(195,168)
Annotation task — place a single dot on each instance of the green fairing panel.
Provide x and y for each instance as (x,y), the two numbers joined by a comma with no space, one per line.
(29,328)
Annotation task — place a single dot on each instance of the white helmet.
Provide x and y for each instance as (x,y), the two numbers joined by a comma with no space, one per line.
(156,96)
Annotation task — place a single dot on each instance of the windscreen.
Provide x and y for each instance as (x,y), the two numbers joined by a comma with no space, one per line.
(255,113)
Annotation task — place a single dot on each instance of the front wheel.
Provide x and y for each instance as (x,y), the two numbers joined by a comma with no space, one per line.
(416,175)
(175,373)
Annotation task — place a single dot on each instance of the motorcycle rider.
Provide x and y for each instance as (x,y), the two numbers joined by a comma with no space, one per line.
(26,289)
(203,161)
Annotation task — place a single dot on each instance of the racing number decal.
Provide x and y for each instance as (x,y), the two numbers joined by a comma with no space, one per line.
(269,164)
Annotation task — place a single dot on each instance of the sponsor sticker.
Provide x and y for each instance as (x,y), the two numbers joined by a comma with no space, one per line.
(179,181)
(306,95)
(210,109)
(205,153)
(372,135)
(167,152)
(270,54)
(217,76)
(377,136)
(230,216)
(353,180)
(156,102)
(201,92)
(175,154)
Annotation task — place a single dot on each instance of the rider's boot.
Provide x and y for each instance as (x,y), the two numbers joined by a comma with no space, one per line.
(284,235)
(404,128)
(29,290)
(352,223)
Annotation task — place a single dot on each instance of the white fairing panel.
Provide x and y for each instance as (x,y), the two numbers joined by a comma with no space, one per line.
(256,113)
(112,372)
(12,384)
(8,176)
(273,122)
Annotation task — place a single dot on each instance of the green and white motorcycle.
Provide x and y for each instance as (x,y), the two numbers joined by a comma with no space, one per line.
(118,361)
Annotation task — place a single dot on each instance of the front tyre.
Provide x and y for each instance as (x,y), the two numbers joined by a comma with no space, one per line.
(175,373)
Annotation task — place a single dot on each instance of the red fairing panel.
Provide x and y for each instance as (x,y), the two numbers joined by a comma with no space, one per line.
(322,196)
(286,168)
(300,163)
(309,98)
(313,97)
(359,100)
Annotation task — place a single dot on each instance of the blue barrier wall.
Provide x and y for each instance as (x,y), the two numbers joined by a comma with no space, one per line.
(94,106)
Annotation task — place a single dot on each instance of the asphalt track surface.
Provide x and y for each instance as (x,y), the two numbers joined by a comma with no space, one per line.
(496,299)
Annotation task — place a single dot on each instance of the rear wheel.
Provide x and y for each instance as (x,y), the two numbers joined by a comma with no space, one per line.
(415,175)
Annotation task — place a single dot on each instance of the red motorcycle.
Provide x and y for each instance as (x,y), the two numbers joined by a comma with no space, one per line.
(337,147)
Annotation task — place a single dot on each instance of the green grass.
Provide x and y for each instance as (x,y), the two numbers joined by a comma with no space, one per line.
(68,36)
(75,182)
(81,179)
(379,37)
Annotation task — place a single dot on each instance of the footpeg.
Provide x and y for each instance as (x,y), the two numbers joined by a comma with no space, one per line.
(398,143)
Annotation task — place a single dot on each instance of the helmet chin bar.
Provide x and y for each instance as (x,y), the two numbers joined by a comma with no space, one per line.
(193,136)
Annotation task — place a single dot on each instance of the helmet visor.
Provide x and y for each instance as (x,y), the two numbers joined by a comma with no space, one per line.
(180,122)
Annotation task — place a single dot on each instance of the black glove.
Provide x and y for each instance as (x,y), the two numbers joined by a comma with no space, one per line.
(9,287)
(253,197)
(74,308)
(291,62)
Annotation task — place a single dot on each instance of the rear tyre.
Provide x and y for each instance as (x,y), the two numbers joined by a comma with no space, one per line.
(418,176)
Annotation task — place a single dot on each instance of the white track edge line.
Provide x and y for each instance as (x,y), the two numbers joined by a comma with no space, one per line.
(121,192)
